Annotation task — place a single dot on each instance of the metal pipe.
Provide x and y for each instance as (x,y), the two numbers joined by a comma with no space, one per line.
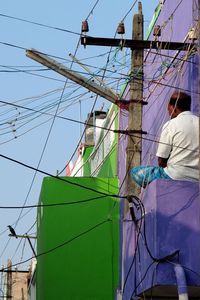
(181,282)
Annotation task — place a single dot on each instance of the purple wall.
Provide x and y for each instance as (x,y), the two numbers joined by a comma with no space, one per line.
(179,75)
(172,222)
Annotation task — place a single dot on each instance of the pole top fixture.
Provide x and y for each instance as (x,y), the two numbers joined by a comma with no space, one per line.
(140,8)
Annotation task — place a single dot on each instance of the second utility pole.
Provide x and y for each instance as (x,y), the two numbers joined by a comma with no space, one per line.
(9,280)
(134,144)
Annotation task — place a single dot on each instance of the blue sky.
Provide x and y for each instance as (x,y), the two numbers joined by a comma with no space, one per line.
(35,92)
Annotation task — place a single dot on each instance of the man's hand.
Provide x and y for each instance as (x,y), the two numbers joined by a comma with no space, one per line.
(162,162)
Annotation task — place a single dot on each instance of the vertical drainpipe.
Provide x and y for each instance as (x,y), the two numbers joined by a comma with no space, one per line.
(181,282)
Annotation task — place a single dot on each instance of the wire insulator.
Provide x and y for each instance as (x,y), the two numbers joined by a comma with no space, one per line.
(85,26)
(121,28)
(157,30)
(192,34)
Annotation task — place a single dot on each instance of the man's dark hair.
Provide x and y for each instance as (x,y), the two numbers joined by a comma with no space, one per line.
(180,100)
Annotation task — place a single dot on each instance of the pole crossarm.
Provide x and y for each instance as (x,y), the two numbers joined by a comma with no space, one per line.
(23,236)
(13,271)
(135,44)
(68,73)
(28,237)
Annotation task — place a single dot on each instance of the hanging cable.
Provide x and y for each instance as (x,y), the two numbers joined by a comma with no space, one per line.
(40,24)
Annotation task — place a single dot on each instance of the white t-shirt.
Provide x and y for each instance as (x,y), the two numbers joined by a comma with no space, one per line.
(179,141)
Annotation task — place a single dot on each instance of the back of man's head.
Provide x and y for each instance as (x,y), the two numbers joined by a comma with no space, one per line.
(180,100)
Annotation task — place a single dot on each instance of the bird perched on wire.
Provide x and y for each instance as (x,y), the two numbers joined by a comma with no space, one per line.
(12,231)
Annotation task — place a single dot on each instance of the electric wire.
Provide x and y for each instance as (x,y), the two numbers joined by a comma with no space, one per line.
(29,190)
(169,18)
(41,111)
(64,243)
(130,270)
(54,118)
(42,75)
(185,267)
(134,257)
(48,173)
(23,248)
(55,204)
(48,26)
(92,10)
(128,12)
(40,24)
(35,113)
(83,133)
(68,241)
(178,73)
(38,75)
(29,71)
(154,100)
(115,131)
(42,154)
(44,148)
(108,58)
(23,48)
(32,226)
(34,98)
(143,278)
(105,69)
(5,247)
(99,144)
(47,139)
(21,239)
(17,248)
(59,178)
(4,231)
(154,259)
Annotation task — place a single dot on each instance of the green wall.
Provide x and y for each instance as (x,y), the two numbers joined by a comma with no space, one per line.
(81,266)
(109,167)
(86,155)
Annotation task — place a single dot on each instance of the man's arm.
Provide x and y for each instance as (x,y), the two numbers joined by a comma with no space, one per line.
(162,162)
(165,145)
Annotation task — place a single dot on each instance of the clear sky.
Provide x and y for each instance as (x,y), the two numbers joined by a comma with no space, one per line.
(22,136)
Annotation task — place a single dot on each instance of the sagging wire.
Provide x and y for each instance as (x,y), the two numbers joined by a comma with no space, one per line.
(47,139)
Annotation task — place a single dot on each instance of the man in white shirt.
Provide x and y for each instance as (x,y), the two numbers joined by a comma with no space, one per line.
(178,149)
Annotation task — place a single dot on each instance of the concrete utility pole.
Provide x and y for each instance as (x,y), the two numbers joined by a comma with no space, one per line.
(133,151)
(137,45)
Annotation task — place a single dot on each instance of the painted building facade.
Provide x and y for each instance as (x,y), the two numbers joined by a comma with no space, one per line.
(168,218)
(14,283)
(78,240)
